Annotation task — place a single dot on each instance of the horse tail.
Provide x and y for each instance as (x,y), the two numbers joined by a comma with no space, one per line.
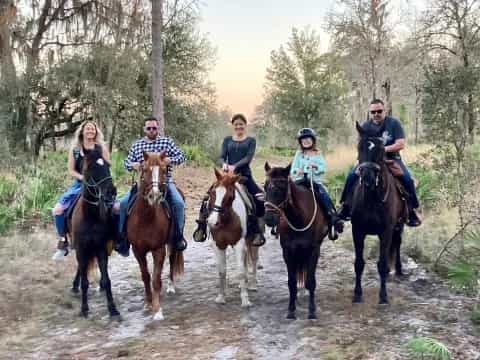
(394,246)
(176,261)
(91,268)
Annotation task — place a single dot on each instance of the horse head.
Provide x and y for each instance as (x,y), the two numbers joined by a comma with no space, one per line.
(277,187)
(98,188)
(152,178)
(221,198)
(371,153)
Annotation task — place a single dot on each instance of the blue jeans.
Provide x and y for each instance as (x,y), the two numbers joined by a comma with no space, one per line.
(320,190)
(406,180)
(173,197)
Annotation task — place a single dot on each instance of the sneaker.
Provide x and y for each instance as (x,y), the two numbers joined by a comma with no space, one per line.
(59,255)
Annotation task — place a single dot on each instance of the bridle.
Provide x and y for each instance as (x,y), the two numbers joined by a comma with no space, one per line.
(280,208)
(149,185)
(95,191)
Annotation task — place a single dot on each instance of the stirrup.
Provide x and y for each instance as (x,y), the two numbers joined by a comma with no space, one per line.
(200,233)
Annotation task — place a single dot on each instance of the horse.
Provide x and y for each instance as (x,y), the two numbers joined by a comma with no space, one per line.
(293,209)
(150,228)
(228,225)
(91,227)
(377,209)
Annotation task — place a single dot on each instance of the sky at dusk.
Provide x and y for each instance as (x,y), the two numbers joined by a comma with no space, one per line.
(244,32)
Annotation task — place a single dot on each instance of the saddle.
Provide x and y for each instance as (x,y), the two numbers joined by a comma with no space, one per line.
(247,198)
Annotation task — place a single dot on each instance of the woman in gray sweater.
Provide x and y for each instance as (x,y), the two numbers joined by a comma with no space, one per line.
(236,155)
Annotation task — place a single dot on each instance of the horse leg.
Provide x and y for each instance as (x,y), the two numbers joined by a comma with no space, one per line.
(311,284)
(158,260)
(396,243)
(292,286)
(358,241)
(222,274)
(142,262)
(243,272)
(253,261)
(105,284)
(76,281)
(382,265)
(171,279)
(82,266)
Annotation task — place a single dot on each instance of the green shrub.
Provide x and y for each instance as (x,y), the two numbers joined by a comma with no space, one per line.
(475,316)
(276,151)
(196,155)
(428,184)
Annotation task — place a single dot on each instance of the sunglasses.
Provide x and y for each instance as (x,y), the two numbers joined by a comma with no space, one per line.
(373,112)
(151,128)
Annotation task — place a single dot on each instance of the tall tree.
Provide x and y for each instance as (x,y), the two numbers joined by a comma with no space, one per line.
(452,27)
(303,87)
(157,63)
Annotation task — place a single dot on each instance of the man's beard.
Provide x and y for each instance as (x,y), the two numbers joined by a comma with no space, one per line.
(152,137)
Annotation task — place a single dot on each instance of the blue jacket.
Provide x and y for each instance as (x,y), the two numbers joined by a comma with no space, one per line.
(302,161)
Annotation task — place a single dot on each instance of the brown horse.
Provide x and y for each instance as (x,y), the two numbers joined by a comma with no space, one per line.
(228,225)
(294,210)
(377,209)
(149,229)
(91,226)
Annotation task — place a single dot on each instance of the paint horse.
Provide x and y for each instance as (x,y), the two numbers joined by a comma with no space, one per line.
(228,225)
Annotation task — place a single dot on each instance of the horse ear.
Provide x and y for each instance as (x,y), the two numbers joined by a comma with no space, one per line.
(360,130)
(218,174)
(267,167)
(145,156)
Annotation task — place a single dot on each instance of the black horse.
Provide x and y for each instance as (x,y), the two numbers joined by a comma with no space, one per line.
(377,209)
(302,227)
(91,226)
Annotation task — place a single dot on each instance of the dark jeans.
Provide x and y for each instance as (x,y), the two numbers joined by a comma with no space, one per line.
(321,192)
(406,180)
(254,189)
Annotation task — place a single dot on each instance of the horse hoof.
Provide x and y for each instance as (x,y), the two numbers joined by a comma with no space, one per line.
(246,304)
(401,276)
(220,299)
(147,307)
(171,290)
(291,316)
(312,316)
(357,299)
(84,313)
(114,313)
(158,316)
(383,302)
(75,290)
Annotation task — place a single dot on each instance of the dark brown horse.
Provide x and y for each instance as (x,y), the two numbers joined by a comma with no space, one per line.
(91,226)
(149,229)
(377,209)
(228,225)
(302,228)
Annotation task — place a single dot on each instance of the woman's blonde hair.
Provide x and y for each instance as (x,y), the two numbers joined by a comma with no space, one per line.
(77,141)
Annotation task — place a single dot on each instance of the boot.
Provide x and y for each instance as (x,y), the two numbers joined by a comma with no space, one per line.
(344,212)
(62,249)
(179,241)
(121,244)
(259,231)
(414,218)
(200,233)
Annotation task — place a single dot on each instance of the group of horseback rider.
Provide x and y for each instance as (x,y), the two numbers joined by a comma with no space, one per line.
(236,155)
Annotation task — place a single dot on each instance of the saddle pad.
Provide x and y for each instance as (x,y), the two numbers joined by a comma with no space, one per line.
(245,195)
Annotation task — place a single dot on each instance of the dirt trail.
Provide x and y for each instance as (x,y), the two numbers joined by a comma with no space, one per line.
(197,328)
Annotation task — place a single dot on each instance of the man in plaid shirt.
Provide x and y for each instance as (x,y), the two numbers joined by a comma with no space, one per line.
(152,142)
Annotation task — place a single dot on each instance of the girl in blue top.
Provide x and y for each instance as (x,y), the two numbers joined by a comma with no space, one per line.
(309,164)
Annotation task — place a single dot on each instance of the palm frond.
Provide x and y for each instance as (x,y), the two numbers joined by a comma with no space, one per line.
(421,346)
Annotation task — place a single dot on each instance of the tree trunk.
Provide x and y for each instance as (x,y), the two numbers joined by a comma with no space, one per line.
(8,72)
(388,98)
(157,61)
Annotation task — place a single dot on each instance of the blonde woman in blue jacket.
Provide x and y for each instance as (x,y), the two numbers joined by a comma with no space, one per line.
(308,164)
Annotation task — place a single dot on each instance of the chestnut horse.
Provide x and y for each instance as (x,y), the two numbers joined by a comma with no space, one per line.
(150,228)
(228,224)
(91,226)
(293,209)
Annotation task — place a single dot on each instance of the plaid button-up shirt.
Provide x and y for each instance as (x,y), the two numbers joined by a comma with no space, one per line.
(160,144)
